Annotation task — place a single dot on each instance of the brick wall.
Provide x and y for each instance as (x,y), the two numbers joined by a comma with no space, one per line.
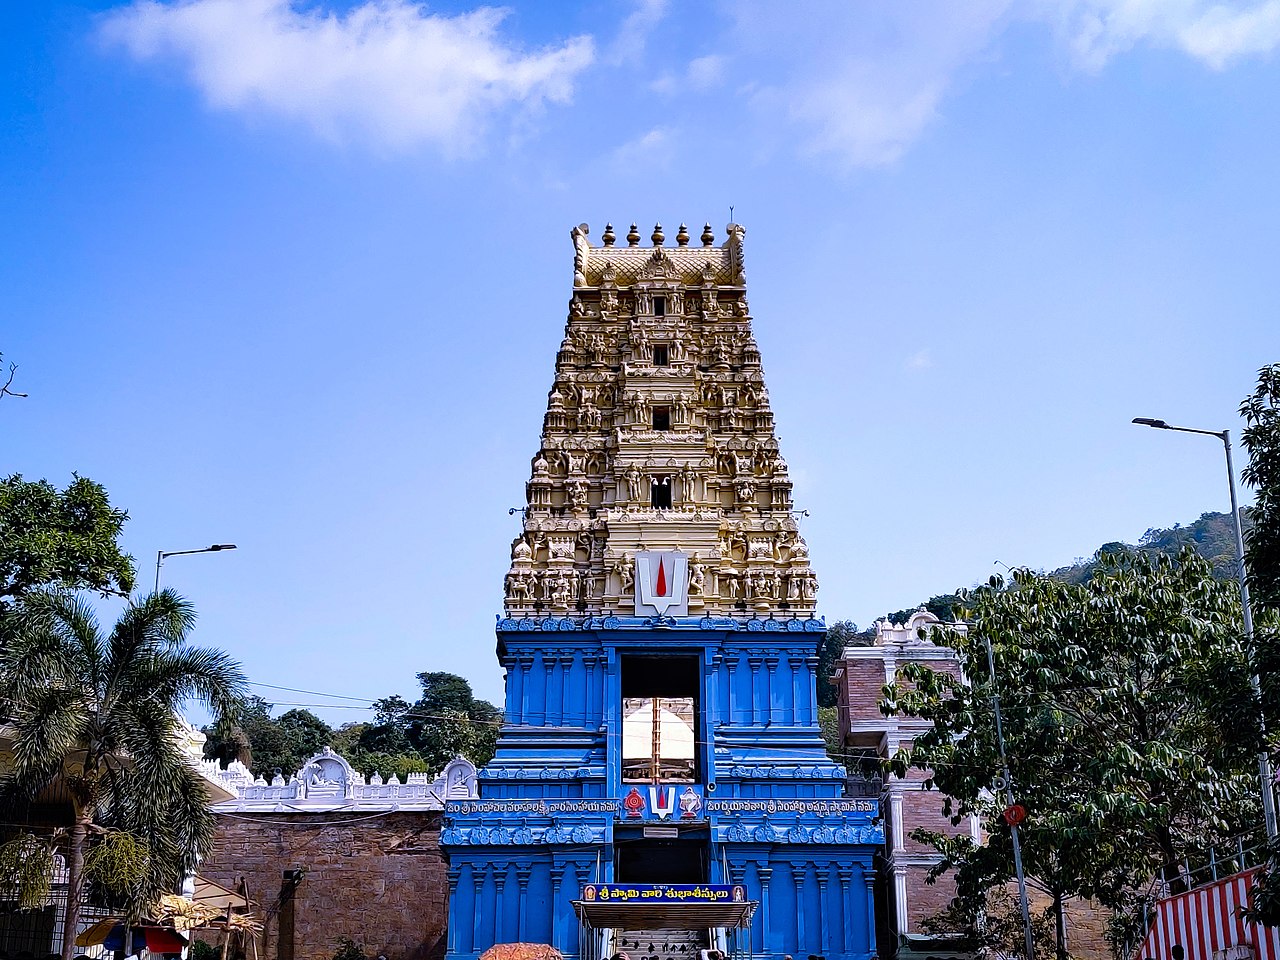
(380,881)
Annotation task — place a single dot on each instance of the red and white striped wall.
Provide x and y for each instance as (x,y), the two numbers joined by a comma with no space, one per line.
(1206,921)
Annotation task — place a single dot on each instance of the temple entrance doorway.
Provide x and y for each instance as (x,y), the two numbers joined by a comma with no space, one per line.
(646,860)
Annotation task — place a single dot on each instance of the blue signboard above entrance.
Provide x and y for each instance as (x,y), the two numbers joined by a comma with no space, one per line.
(664,893)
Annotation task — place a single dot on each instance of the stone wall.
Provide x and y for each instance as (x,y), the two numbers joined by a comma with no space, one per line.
(379,880)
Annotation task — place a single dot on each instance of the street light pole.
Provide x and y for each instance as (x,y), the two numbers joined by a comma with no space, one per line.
(1264,760)
(1013,827)
(161,554)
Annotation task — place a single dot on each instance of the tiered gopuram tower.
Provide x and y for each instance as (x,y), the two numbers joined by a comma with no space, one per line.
(660,641)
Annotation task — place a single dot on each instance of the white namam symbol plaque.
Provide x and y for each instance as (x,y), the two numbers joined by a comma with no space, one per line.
(662,583)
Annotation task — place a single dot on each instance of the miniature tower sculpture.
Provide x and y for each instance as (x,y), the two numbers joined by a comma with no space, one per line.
(660,644)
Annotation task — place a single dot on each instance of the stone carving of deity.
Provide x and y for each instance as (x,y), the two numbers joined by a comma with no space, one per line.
(625,570)
(746,491)
(576,490)
(697,576)
(633,482)
(577,308)
(639,344)
(809,586)
(680,407)
(689,484)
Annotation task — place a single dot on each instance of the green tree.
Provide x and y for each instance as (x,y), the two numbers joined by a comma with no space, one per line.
(448,721)
(388,733)
(838,636)
(829,724)
(1129,722)
(264,743)
(94,719)
(1261,412)
(65,538)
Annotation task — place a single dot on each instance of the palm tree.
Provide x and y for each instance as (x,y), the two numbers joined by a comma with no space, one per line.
(94,720)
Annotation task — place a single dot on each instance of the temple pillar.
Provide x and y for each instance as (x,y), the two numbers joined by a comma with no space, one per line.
(499,905)
(869,914)
(757,711)
(821,869)
(523,871)
(798,688)
(764,874)
(775,690)
(481,912)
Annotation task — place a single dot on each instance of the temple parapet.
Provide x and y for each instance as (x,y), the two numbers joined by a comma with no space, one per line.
(328,782)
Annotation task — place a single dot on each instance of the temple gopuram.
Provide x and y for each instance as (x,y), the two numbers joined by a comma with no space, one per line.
(661,786)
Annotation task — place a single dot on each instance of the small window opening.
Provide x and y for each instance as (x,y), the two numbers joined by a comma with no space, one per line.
(660,493)
(662,418)
(659,306)
(660,355)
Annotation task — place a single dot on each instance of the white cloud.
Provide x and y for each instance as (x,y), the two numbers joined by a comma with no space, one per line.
(706,72)
(650,151)
(921,360)
(387,72)
(1217,34)
(701,74)
(862,82)
(634,31)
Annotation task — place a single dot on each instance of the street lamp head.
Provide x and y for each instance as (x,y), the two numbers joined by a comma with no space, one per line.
(222,546)
(1148,422)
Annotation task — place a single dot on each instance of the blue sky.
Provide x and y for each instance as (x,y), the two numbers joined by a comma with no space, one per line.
(293,275)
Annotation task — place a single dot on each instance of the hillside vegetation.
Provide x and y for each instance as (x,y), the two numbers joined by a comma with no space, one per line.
(1212,537)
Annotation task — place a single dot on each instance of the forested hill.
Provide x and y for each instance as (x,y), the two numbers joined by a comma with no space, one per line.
(1212,536)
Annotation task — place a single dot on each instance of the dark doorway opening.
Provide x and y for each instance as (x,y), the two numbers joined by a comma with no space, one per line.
(662,861)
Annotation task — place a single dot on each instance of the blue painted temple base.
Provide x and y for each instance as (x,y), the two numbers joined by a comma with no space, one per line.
(764,809)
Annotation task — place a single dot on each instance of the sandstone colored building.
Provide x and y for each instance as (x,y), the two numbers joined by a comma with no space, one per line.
(329,854)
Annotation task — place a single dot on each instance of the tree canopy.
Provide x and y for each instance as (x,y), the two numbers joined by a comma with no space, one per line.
(64,538)
(94,717)
(403,738)
(1130,725)
(266,744)
(1261,411)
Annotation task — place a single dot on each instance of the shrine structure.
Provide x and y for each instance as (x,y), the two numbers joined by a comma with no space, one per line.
(660,784)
